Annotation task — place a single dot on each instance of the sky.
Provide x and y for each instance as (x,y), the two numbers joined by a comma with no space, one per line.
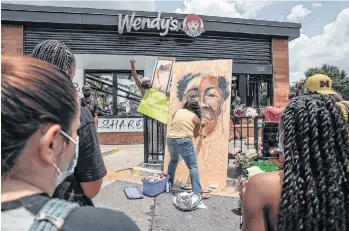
(325,24)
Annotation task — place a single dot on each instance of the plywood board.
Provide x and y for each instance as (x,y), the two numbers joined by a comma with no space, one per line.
(209,83)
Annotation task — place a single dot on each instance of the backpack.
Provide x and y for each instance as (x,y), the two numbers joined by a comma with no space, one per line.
(344,106)
(51,217)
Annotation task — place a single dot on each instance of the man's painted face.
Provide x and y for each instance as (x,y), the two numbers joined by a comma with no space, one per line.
(206,92)
(193,25)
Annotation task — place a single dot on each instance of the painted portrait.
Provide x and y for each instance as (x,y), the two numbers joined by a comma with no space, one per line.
(208,83)
(162,74)
(210,92)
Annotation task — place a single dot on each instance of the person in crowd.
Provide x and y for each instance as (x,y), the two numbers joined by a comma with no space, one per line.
(89,103)
(322,84)
(156,130)
(186,123)
(39,126)
(88,175)
(236,104)
(312,190)
(143,84)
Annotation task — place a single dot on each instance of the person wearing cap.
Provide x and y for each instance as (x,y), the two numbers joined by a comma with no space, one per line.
(143,84)
(154,127)
(322,84)
(89,103)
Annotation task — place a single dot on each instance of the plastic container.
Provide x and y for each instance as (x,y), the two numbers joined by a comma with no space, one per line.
(154,189)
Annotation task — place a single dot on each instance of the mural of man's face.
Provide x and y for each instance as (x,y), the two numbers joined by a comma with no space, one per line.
(206,92)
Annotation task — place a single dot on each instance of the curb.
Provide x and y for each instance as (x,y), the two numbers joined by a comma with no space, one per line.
(111,151)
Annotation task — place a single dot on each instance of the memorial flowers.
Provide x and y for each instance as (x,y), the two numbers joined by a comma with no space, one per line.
(249,112)
(246,171)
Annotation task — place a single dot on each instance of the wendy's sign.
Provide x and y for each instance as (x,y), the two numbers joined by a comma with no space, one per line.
(131,23)
(193,26)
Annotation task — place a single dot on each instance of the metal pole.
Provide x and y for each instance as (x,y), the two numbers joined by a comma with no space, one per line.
(145,133)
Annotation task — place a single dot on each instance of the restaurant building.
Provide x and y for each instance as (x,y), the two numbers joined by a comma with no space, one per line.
(104,42)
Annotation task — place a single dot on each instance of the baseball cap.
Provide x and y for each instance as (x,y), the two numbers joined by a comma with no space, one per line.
(146,79)
(320,83)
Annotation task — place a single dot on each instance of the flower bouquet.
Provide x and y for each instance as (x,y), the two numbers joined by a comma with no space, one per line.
(245,170)
(239,111)
(251,112)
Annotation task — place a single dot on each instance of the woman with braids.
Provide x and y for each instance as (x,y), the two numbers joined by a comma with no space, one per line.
(39,124)
(184,127)
(87,179)
(58,54)
(312,190)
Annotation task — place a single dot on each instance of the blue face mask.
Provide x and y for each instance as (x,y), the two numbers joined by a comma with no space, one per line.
(63,175)
(280,146)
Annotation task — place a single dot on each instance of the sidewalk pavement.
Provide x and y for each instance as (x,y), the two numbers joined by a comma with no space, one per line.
(124,158)
(158,213)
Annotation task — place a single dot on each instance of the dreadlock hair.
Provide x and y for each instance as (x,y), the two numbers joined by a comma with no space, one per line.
(56,53)
(315,191)
(194,107)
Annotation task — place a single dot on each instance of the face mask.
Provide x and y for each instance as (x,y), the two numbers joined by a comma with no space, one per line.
(145,85)
(280,146)
(63,175)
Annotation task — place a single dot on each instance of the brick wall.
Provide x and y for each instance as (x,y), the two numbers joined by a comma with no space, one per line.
(11,40)
(122,138)
(281,72)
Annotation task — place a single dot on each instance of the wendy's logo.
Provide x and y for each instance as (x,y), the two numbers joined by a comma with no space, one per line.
(193,26)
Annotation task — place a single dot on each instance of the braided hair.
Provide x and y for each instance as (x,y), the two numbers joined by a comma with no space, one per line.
(315,191)
(56,53)
(194,107)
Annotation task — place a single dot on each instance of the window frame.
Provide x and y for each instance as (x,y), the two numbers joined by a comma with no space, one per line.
(114,73)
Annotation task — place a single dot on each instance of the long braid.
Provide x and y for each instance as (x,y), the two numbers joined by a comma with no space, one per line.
(342,174)
(287,191)
(316,160)
(56,53)
(310,197)
(315,191)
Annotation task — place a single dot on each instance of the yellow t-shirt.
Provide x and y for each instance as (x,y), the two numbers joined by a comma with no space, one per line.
(182,125)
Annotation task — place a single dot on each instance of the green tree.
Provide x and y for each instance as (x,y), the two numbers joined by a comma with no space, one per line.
(339,77)
(296,87)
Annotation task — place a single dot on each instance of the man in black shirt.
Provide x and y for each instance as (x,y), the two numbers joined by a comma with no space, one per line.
(90,170)
(89,103)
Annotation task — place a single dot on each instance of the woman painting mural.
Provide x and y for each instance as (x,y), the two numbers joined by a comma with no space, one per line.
(184,127)
(210,92)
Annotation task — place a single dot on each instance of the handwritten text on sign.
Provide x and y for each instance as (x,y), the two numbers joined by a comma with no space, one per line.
(120,125)
(155,105)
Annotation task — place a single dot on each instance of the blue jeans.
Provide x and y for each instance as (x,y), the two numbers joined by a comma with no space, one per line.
(184,147)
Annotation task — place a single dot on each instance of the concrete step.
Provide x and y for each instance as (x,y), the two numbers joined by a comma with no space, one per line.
(108,150)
